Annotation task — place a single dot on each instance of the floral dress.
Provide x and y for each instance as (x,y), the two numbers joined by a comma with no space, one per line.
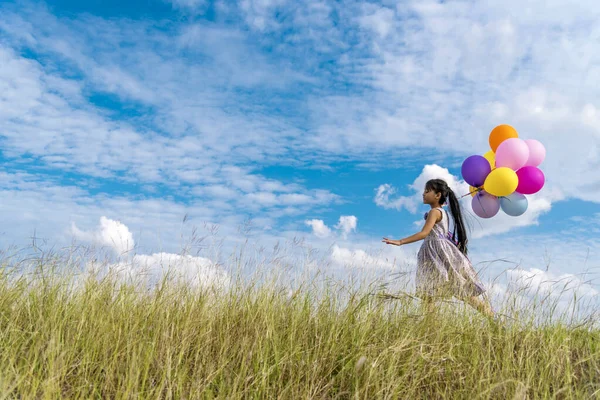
(442,269)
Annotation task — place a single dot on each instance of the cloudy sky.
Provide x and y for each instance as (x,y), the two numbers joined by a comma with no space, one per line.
(318,120)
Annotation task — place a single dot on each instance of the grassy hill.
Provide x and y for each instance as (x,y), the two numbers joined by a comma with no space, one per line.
(102,339)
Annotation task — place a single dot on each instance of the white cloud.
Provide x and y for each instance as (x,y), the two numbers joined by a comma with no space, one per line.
(48,119)
(218,191)
(435,77)
(302,200)
(150,270)
(392,64)
(259,12)
(295,199)
(27,198)
(545,296)
(87,142)
(542,283)
(382,199)
(320,230)
(442,75)
(262,198)
(346,224)
(111,233)
(377,19)
(359,258)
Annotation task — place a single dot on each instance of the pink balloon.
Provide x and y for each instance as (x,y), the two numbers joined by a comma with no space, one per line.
(537,153)
(531,180)
(485,205)
(512,153)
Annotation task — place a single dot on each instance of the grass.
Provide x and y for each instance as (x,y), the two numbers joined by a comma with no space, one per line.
(103,339)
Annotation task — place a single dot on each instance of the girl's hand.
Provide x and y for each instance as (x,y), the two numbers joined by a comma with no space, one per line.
(390,241)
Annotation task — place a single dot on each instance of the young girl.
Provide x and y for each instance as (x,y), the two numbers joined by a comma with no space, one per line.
(443,269)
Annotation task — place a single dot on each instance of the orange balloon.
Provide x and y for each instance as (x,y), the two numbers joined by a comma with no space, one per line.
(500,133)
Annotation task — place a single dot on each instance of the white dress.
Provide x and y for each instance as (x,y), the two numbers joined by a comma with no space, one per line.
(442,269)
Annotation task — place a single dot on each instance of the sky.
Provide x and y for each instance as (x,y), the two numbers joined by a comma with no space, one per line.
(135,125)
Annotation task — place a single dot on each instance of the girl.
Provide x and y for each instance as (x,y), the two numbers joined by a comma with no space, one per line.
(443,269)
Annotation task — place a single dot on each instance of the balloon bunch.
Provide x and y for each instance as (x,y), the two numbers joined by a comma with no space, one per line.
(502,177)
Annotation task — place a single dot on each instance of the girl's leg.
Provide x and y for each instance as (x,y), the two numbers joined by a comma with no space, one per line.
(483,306)
(427,304)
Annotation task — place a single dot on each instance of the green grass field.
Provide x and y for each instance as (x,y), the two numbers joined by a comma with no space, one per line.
(101,339)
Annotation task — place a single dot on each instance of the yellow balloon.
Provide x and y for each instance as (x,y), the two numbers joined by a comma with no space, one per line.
(491,157)
(473,191)
(501,182)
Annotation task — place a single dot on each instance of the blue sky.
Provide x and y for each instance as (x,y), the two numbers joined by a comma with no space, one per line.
(286,113)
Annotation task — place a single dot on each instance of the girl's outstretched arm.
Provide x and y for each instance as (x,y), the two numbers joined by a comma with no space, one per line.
(432,218)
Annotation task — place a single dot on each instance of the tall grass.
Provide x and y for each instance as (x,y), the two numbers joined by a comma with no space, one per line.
(95,337)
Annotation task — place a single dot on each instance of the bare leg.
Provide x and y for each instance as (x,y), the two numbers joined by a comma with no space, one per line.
(428,304)
(483,306)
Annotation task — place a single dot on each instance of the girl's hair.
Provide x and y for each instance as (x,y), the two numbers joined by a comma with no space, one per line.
(440,186)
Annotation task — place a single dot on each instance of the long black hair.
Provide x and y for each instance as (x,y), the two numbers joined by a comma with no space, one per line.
(447,195)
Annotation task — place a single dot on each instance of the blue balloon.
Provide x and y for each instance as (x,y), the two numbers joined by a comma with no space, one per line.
(515,204)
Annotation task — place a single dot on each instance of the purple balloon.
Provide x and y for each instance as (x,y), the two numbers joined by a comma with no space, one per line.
(531,180)
(475,169)
(485,205)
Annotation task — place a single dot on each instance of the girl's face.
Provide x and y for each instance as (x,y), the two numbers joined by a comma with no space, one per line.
(430,197)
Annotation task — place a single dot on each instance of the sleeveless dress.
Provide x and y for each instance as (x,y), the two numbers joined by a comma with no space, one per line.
(442,269)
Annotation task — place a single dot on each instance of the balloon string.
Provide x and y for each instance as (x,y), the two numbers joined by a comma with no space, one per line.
(471,192)
(479,190)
